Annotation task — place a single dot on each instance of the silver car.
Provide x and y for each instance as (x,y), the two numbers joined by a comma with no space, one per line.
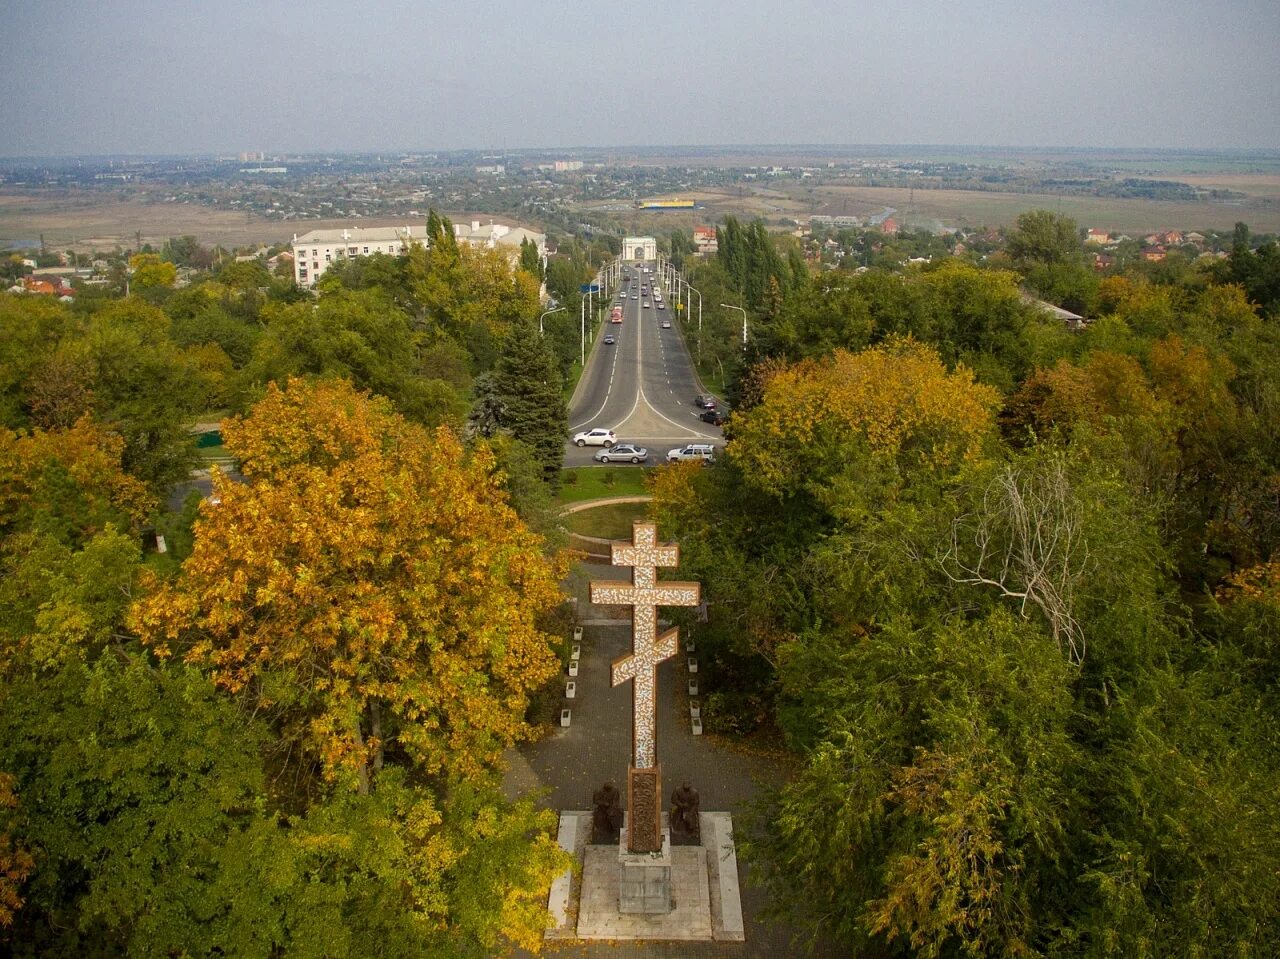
(623,453)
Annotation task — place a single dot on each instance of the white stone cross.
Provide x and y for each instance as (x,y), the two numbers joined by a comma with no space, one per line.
(648,649)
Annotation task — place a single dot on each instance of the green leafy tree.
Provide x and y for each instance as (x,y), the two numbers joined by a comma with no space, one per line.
(1044,237)
(530,260)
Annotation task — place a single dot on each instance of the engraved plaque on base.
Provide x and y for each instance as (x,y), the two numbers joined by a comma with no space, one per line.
(644,809)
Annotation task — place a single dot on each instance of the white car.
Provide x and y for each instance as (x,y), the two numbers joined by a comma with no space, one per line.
(694,451)
(596,437)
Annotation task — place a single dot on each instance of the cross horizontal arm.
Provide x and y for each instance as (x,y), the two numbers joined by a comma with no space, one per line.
(613,593)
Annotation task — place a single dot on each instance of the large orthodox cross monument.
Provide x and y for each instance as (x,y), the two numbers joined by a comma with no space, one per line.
(640,666)
(647,876)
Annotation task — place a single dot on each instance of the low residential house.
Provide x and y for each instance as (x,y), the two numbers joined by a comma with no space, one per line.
(1102,261)
(283,257)
(889,227)
(1072,321)
(1194,238)
(1100,237)
(40,287)
(1171,238)
(1153,254)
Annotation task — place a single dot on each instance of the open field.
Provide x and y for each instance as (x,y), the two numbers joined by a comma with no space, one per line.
(84,222)
(972,208)
(1254,184)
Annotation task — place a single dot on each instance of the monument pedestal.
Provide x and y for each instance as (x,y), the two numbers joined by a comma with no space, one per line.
(644,879)
(703,888)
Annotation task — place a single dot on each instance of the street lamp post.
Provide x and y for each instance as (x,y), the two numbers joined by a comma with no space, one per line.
(545,315)
(730,306)
(584,332)
(692,290)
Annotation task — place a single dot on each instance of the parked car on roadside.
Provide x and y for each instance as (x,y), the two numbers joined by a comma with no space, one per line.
(623,453)
(596,437)
(704,452)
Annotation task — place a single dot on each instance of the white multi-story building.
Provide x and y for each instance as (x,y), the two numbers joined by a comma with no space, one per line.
(313,252)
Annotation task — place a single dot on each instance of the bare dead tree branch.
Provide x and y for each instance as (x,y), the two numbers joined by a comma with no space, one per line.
(1026,543)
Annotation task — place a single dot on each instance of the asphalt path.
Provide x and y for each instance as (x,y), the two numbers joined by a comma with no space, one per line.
(643,386)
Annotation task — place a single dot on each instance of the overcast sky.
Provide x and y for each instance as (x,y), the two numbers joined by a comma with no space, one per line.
(192,76)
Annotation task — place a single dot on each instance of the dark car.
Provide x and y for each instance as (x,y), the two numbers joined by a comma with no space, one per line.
(714,417)
(705,401)
(609,340)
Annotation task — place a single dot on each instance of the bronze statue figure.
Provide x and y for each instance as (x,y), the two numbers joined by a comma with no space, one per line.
(606,817)
(685,828)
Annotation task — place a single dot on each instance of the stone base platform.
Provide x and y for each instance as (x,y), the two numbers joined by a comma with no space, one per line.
(704,885)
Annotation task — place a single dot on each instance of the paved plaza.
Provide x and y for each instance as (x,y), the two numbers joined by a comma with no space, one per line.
(570,763)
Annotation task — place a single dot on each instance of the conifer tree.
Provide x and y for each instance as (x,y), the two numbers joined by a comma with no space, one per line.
(533,410)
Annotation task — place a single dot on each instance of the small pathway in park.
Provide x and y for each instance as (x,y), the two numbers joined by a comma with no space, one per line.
(568,764)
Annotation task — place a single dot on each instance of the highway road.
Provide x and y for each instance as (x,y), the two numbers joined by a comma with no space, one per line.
(642,387)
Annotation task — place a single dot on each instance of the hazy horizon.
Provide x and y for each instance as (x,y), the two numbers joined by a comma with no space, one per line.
(149,78)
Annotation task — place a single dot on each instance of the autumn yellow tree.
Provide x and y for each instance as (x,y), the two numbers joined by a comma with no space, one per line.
(897,402)
(151,272)
(369,586)
(15,862)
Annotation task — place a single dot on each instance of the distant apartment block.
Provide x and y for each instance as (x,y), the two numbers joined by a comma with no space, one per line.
(704,240)
(491,169)
(567,166)
(314,252)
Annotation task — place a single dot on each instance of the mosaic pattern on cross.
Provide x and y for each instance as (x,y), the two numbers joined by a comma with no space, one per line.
(645,595)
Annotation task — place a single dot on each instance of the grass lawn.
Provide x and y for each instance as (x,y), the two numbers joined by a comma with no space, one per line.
(218,452)
(612,521)
(588,482)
